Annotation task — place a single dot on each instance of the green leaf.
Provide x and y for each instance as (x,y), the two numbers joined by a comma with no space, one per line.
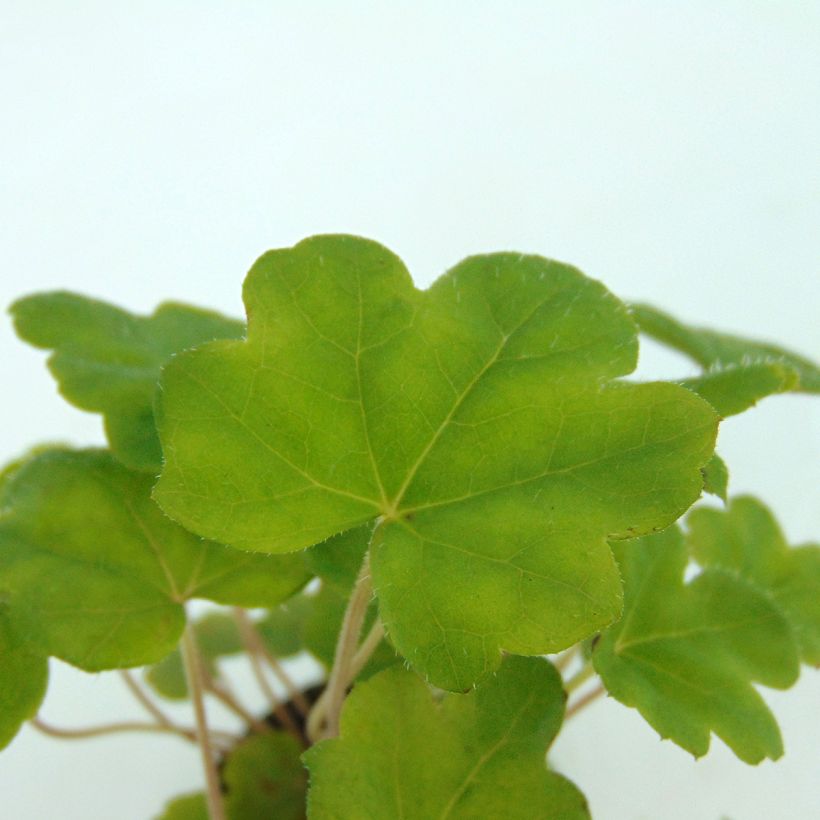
(338,560)
(737,387)
(265,779)
(686,655)
(711,349)
(282,629)
(108,360)
(716,477)
(100,575)
(477,421)
(186,807)
(745,539)
(402,754)
(23,678)
(217,636)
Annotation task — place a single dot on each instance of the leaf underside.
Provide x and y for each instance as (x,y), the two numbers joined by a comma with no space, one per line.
(401,754)
(99,576)
(476,423)
(108,360)
(686,655)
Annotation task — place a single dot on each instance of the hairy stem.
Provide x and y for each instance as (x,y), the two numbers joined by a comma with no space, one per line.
(345,652)
(251,640)
(584,701)
(195,677)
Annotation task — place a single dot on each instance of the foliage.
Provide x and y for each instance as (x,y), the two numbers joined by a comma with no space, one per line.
(467,475)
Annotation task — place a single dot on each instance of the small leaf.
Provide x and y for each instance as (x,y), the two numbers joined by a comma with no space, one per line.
(100,575)
(686,656)
(23,679)
(401,754)
(478,422)
(745,539)
(282,629)
(186,807)
(264,778)
(716,477)
(167,677)
(737,387)
(337,561)
(108,360)
(712,349)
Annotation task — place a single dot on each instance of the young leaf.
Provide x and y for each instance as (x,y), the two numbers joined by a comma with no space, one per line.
(186,807)
(716,477)
(100,575)
(401,754)
(338,560)
(265,778)
(711,349)
(737,387)
(745,539)
(686,656)
(108,360)
(478,421)
(23,678)
(282,629)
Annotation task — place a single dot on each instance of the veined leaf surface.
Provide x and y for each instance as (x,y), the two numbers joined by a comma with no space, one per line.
(686,655)
(108,360)
(100,575)
(477,422)
(401,754)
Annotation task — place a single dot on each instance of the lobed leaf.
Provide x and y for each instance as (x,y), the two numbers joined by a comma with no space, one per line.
(100,576)
(402,754)
(108,360)
(686,655)
(712,349)
(745,539)
(477,422)
(23,678)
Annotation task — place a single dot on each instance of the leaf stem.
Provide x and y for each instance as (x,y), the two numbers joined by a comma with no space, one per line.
(251,640)
(196,679)
(346,644)
(584,701)
(580,677)
(145,701)
(564,659)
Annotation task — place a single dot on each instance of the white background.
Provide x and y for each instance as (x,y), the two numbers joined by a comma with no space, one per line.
(152,150)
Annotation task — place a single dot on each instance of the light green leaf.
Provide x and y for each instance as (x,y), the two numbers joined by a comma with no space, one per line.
(23,678)
(716,477)
(338,560)
(737,387)
(481,755)
(186,807)
(217,636)
(100,575)
(745,539)
(686,656)
(477,421)
(264,778)
(108,360)
(711,349)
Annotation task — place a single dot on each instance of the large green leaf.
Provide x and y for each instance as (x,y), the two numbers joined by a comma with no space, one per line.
(108,360)
(100,575)
(745,539)
(402,754)
(477,421)
(23,678)
(686,655)
(713,350)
